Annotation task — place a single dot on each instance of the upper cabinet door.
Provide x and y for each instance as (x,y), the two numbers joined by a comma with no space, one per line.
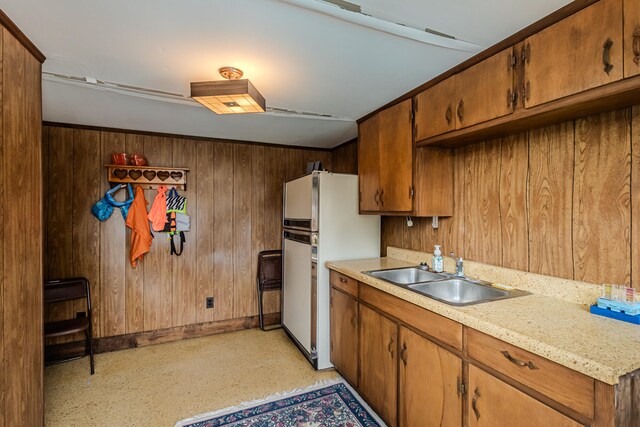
(485,90)
(578,53)
(396,158)
(368,169)
(631,38)
(435,109)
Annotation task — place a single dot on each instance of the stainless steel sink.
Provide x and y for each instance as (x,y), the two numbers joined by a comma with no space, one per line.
(463,292)
(405,276)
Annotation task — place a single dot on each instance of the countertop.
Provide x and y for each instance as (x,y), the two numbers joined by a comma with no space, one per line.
(561,331)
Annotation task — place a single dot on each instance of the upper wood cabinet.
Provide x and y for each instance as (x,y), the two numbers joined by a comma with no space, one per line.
(631,38)
(385,166)
(378,363)
(429,379)
(580,52)
(480,93)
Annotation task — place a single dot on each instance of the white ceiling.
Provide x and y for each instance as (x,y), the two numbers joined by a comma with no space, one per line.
(302,55)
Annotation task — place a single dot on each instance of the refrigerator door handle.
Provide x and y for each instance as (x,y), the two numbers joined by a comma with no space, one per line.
(297,236)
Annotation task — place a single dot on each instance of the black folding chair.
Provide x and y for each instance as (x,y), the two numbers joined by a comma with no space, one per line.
(65,290)
(269,278)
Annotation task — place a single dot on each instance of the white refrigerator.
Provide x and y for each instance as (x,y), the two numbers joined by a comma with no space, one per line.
(321,223)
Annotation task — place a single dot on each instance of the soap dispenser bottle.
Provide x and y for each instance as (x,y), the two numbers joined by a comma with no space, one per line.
(437,259)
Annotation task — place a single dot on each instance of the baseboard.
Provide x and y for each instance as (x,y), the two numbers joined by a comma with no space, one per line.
(142,339)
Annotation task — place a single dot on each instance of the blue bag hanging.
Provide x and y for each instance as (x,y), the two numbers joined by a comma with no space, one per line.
(124,206)
(102,210)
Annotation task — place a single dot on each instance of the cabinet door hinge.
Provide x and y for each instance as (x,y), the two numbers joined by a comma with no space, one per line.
(462,387)
(411,192)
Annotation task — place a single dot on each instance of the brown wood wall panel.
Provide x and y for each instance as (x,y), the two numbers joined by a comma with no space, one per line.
(563,207)
(134,277)
(85,231)
(513,202)
(223,232)
(207,235)
(3,195)
(113,251)
(157,264)
(635,196)
(184,268)
(482,203)
(243,294)
(601,199)
(345,158)
(21,386)
(550,200)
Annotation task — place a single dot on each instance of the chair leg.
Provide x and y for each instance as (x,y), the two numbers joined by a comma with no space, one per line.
(90,348)
(260,309)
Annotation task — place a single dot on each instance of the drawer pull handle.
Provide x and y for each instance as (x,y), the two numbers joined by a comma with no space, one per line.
(606,56)
(636,45)
(449,114)
(460,110)
(518,362)
(403,354)
(474,403)
(377,197)
(390,347)
(343,280)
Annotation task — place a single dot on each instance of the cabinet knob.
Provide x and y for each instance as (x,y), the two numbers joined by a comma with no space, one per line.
(474,403)
(606,56)
(636,45)
(390,347)
(460,110)
(403,354)
(449,114)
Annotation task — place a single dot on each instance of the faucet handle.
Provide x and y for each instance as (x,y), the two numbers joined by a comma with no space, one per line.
(424,266)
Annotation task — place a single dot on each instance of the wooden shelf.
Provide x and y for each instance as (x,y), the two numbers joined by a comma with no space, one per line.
(613,96)
(148,177)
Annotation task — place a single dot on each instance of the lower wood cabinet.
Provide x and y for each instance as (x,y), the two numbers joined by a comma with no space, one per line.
(344,335)
(430,383)
(492,403)
(378,363)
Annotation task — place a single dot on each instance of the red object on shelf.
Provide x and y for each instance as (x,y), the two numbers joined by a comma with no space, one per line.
(138,159)
(122,159)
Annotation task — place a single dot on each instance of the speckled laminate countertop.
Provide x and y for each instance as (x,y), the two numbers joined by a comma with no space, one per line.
(561,331)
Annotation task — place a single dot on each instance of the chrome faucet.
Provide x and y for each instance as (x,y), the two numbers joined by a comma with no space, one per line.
(424,266)
(459,264)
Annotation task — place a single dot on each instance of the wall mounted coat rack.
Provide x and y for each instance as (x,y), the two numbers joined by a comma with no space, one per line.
(148,177)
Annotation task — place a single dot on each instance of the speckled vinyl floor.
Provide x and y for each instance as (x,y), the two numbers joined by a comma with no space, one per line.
(161,384)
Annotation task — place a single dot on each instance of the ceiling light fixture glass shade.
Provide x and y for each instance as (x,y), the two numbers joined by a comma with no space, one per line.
(232,96)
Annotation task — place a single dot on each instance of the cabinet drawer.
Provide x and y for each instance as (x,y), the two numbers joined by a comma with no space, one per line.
(344,283)
(561,384)
(439,327)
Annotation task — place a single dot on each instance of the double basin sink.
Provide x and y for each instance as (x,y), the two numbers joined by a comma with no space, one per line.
(444,287)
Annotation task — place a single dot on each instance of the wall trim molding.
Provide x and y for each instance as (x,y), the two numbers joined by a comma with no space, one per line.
(22,38)
(180,136)
(160,336)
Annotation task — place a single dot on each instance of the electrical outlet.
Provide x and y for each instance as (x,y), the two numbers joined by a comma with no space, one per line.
(209,302)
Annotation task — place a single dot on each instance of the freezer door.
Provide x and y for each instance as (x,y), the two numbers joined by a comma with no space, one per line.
(297,199)
(296,291)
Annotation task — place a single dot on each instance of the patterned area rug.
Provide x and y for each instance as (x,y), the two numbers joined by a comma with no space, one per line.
(322,405)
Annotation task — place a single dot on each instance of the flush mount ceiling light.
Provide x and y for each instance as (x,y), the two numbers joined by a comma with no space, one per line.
(231,96)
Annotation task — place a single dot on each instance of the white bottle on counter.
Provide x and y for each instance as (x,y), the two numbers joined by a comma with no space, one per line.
(437,259)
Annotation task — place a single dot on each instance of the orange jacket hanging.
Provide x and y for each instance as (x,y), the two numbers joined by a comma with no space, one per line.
(158,213)
(139,224)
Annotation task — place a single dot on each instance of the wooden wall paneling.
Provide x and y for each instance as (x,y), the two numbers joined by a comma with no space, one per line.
(551,160)
(601,199)
(344,159)
(134,277)
(391,233)
(223,227)
(114,250)
(630,27)
(209,202)
(21,244)
(635,200)
(157,264)
(59,220)
(413,237)
(85,232)
(3,194)
(243,292)
(454,227)
(184,281)
(513,201)
(483,240)
(257,218)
